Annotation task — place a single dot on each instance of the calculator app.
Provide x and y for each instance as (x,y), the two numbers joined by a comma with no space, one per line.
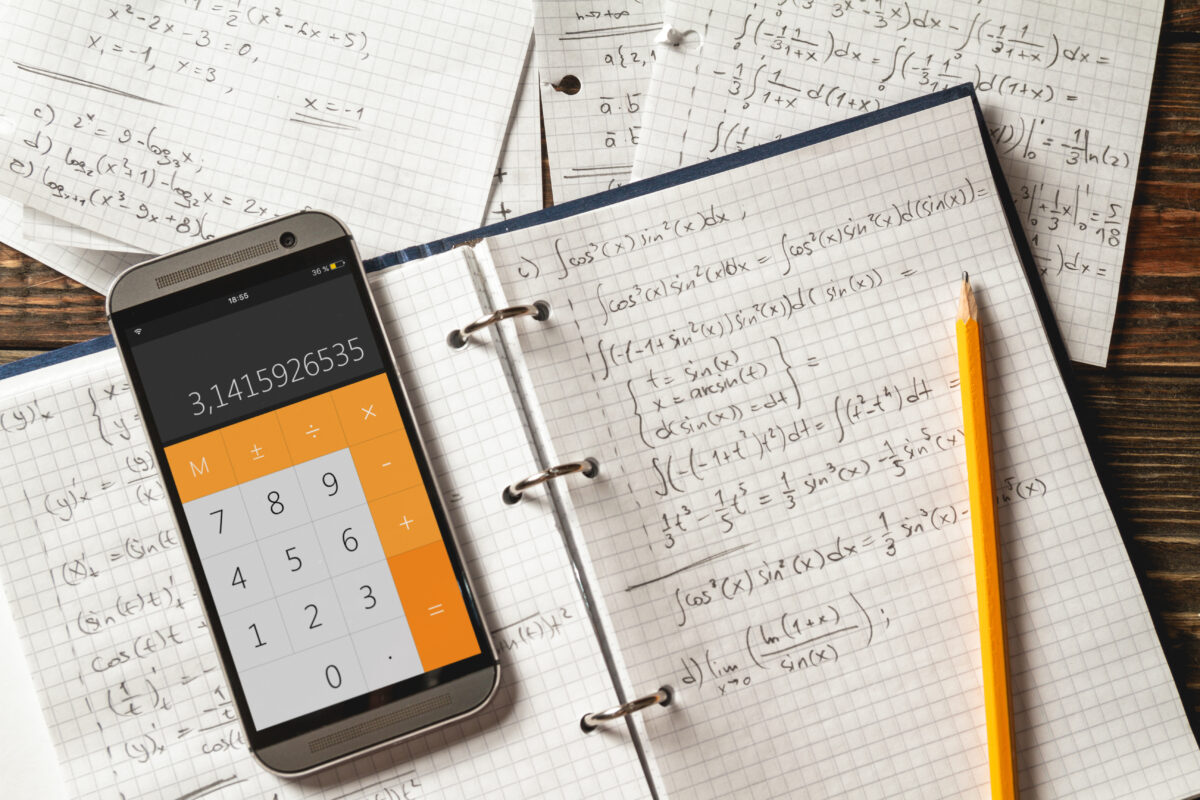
(309,514)
(321,550)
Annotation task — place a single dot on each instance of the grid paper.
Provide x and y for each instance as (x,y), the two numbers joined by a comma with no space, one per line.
(162,124)
(763,363)
(41,227)
(517,183)
(1064,87)
(26,753)
(591,136)
(158,724)
(92,268)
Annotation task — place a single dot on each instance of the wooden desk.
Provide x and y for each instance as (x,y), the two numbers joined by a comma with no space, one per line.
(1144,409)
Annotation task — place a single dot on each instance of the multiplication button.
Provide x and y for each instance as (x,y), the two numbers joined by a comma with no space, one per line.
(366,409)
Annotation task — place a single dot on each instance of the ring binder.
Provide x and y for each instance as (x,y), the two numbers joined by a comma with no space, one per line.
(461,337)
(663,697)
(590,468)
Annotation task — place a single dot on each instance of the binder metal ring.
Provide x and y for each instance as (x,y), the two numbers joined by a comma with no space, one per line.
(662,697)
(460,337)
(590,468)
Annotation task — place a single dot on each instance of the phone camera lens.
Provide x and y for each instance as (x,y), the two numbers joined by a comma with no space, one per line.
(288,239)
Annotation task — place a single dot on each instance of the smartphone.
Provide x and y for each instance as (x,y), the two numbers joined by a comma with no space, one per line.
(312,521)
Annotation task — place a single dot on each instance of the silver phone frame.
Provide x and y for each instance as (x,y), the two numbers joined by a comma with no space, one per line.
(137,285)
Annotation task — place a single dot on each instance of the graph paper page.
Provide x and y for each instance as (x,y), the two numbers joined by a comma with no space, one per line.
(93,269)
(1064,87)
(161,124)
(517,182)
(763,363)
(41,227)
(128,678)
(26,754)
(591,134)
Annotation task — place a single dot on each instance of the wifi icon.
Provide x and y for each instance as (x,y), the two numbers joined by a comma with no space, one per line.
(138,331)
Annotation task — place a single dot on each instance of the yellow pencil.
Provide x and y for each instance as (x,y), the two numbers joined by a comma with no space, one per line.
(989,577)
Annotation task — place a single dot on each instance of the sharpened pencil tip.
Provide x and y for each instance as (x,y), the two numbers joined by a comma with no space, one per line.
(965,278)
(967,310)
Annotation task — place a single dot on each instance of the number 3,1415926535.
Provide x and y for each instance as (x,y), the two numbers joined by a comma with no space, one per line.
(276,376)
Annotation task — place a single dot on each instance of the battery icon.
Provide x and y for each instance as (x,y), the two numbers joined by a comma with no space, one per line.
(337,264)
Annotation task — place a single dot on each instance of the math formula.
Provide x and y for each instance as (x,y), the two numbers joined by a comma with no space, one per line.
(596,60)
(1048,86)
(762,363)
(163,125)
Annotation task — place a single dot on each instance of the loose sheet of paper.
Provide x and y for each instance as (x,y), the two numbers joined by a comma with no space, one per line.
(763,363)
(591,134)
(1064,87)
(162,124)
(127,674)
(517,183)
(42,227)
(91,268)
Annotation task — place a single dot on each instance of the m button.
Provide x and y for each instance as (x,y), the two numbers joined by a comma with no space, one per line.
(200,466)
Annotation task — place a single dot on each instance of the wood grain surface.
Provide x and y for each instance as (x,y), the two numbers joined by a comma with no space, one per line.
(1143,410)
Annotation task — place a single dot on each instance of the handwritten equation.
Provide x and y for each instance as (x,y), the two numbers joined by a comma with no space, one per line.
(595,62)
(1064,106)
(796,641)
(781,522)
(165,125)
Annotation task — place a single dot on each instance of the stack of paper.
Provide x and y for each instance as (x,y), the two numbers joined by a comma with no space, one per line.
(144,128)
(1064,88)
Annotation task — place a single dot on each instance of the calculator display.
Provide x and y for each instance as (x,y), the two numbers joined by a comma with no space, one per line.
(313,529)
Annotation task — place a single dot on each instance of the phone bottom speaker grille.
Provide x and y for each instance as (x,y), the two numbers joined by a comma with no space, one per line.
(354,731)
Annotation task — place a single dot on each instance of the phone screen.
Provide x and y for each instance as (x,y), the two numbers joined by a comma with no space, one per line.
(310,516)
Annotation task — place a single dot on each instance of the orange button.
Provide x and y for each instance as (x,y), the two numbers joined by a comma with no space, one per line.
(200,466)
(255,447)
(385,465)
(310,428)
(404,521)
(366,409)
(433,606)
